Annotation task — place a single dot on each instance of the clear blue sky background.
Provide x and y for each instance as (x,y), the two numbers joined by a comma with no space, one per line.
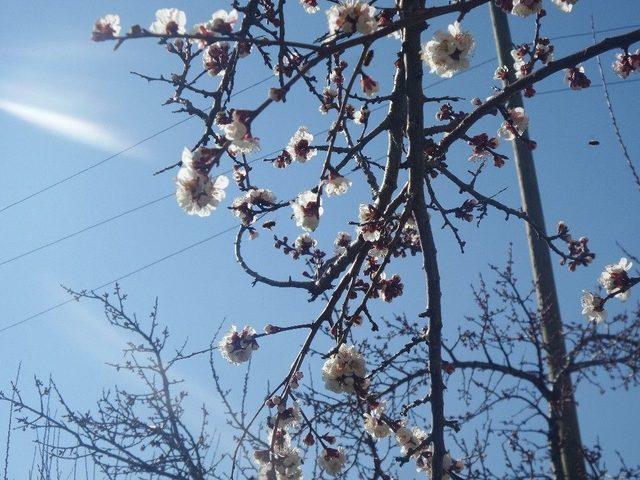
(49,67)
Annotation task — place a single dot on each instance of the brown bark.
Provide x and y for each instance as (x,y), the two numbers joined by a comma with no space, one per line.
(415,157)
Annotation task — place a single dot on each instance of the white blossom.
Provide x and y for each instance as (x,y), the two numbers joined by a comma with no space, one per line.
(565,5)
(299,145)
(287,418)
(242,210)
(260,197)
(368,226)
(626,64)
(448,52)
(340,244)
(238,132)
(614,277)
(169,21)
(361,115)
(197,193)
(307,210)
(305,242)
(255,197)
(379,251)
(222,21)
(310,6)
(344,370)
(520,64)
(352,16)
(106,27)
(411,440)
(336,185)
(216,58)
(524,8)
(332,461)
(285,462)
(448,465)
(237,347)
(374,425)
(592,307)
(518,122)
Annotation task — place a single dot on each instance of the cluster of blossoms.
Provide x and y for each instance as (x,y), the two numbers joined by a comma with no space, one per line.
(342,241)
(410,237)
(196,192)
(626,63)
(237,130)
(389,288)
(524,8)
(289,65)
(237,347)
(565,5)
(616,282)
(169,21)
(221,22)
(352,16)
(216,58)
(413,442)
(304,243)
(345,371)
(369,225)
(520,64)
(543,52)
(516,125)
(576,78)
(484,146)
(373,423)
(448,52)
(332,461)
(361,116)
(310,6)
(106,28)
(243,207)
(329,96)
(307,210)
(336,185)
(615,278)
(283,463)
(286,418)
(299,147)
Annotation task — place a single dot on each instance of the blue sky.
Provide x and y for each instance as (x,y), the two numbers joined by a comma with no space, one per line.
(67,103)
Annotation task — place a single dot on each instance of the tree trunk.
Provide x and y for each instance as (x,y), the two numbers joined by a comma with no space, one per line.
(415,128)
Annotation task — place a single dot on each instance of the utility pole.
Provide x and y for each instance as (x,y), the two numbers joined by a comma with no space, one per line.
(566,449)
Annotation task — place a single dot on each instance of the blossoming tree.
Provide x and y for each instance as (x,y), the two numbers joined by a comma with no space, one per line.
(394,224)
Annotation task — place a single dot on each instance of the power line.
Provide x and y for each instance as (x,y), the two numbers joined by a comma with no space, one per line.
(122,277)
(86,229)
(585,34)
(115,217)
(616,82)
(180,122)
(137,270)
(95,165)
(117,154)
(163,197)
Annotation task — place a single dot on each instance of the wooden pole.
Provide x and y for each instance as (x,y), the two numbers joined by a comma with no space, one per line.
(567,453)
